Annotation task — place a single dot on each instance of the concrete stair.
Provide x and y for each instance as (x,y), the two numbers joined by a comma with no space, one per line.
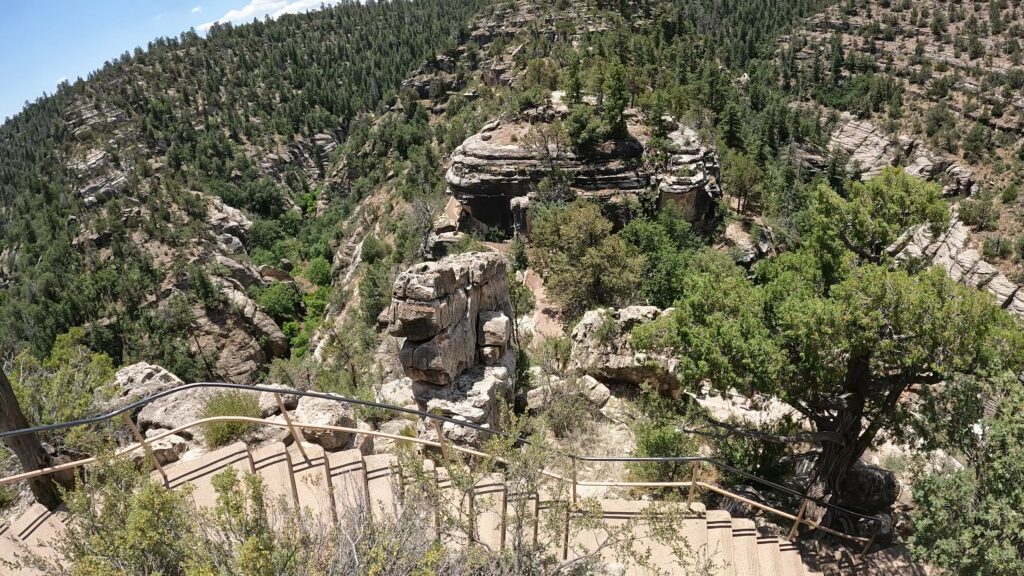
(335,483)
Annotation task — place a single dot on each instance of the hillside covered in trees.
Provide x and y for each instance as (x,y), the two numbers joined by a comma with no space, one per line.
(777,232)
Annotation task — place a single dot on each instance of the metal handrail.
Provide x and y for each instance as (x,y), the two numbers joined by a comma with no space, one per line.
(131,407)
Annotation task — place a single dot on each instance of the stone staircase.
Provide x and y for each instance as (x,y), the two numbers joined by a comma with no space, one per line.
(329,483)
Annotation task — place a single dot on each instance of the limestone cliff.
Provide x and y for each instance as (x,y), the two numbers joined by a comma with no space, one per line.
(505,161)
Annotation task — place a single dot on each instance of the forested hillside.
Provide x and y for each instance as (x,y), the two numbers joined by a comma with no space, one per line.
(185,115)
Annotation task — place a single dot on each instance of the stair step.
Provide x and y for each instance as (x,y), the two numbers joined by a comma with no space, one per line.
(791,561)
(695,531)
(744,547)
(617,513)
(309,468)
(382,485)
(199,473)
(489,499)
(32,533)
(271,464)
(719,524)
(348,479)
(769,559)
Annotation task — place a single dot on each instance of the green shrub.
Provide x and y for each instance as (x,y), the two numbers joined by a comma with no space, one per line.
(755,455)
(1010,194)
(374,249)
(7,496)
(979,212)
(569,413)
(658,433)
(234,403)
(997,247)
(281,300)
(318,271)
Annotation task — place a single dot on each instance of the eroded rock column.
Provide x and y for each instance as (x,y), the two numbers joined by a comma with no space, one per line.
(455,318)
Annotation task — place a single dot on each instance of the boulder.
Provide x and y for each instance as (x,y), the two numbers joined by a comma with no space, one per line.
(230,244)
(396,393)
(268,403)
(596,393)
(869,489)
(244,273)
(441,359)
(167,449)
(134,382)
(227,220)
(396,427)
(324,412)
(601,349)
(175,410)
(277,274)
(494,328)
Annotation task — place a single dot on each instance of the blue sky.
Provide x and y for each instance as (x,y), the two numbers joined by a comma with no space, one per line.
(45,41)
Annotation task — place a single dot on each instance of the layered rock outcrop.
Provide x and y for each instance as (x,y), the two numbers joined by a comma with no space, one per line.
(454,317)
(869,149)
(601,349)
(506,160)
(951,250)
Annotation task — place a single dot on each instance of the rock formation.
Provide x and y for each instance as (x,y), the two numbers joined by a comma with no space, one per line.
(601,348)
(952,252)
(505,161)
(454,316)
(869,149)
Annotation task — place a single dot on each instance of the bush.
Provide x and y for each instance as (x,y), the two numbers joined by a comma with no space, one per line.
(281,301)
(375,290)
(997,247)
(236,403)
(569,412)
(374,249)
(658,433)
(757,456)
(319,271)
(980,213)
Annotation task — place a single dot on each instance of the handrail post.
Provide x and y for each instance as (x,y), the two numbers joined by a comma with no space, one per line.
(569,507)
(573,482)
(799,520)
(295,432)
(871,541)
(145,446)
(693,484)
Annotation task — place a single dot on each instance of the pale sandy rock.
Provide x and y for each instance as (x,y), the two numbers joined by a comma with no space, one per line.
(395,392)
(325,412)
(601,348)
(268,402)
(227,220)
(133,383)
(475,397)
(494,328)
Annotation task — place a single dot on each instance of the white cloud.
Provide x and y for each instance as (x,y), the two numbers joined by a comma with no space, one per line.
(197,9)
(261,8)
(62,79)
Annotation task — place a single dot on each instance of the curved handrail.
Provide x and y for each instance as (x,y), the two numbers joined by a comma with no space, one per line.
(131,407)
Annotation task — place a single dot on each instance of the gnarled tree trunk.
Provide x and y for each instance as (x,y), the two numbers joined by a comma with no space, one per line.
(27,447)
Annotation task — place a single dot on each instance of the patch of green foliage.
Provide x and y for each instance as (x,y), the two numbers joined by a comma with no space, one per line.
(229,403)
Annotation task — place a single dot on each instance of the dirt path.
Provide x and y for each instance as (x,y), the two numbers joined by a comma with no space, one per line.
(545,318)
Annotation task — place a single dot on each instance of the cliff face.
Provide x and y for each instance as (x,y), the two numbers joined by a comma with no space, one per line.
(507,159)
